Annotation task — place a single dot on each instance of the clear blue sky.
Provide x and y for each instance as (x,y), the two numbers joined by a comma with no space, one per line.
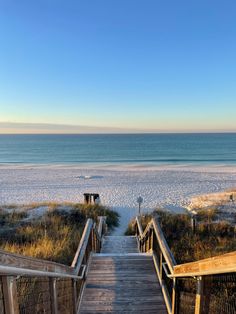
(150,64)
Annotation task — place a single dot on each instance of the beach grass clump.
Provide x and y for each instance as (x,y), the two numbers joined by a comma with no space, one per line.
(11,218)
(56,234)
(94,211)
(144,219)
(210,238)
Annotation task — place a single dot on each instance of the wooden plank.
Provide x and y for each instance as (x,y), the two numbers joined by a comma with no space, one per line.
(20,261)
(124,311)
(114,287)
(139,225)
(12,263)
(215,265)
(102,221)
(79,255)
(119,245)
(163,287)
(53,295)
(10,295)
(157,231)
(199,296)
(169,258)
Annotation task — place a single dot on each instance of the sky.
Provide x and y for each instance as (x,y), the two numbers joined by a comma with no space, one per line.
(117,65)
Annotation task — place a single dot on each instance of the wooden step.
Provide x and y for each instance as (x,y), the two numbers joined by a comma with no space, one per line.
(119,244)
(122,284)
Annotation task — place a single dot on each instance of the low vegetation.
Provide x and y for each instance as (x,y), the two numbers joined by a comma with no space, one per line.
(144,221)
(54,235)
(210,238)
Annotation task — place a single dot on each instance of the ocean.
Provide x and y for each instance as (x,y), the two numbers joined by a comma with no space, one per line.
(150,149)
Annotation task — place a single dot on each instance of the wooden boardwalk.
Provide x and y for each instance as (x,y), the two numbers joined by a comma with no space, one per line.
(121,280)
(119,244)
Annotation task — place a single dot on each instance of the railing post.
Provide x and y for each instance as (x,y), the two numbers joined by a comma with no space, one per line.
(141,245)
(53,294)
(174,295)
(93,239)
(151,239)
(75,297)
(10,295)
(148,240)
(161,266)
(145,244)
(199,296)
(99,243)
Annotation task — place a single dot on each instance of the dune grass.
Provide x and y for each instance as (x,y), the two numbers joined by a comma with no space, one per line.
(211,237)
(54,236)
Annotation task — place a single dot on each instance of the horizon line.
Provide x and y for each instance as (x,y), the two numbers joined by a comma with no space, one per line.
(24,128)
(127,133)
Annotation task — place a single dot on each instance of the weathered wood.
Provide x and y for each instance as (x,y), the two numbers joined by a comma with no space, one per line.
(158,267)
(122,283)
(153,233)
(75,295)
(79,255)
(144,236)
(101,223)
(119,244)
(139,226)
(53,294)
(25,262)
(169,258)
(18,264)
(199,296)
(174,296)
(10,295)
(215,265)
(16,271)
(14,265)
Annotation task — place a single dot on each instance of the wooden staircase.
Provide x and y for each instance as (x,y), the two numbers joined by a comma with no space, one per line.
(121,280)
(118,275)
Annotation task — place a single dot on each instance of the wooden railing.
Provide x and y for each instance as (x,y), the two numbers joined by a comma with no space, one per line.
(29,285)
(152,240)
(201,296)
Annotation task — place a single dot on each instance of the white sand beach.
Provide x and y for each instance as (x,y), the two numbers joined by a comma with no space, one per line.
(119,186)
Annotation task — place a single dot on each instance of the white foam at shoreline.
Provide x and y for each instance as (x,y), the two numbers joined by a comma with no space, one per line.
(225,168)
(118,186)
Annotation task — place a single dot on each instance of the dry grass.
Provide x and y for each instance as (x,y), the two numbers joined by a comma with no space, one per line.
(54,236)
(210,239)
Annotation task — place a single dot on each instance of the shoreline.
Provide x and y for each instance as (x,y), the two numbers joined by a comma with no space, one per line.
(167,187)
(227,168)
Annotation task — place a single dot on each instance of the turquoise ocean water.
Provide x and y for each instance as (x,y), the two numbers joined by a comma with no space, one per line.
(154,149)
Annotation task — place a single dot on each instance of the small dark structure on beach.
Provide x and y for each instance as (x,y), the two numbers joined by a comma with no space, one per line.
(231,198)
(91,198)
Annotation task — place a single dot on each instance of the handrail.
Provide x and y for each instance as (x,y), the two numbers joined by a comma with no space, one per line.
(19,271)
(139,225)
(169,257)
(79,255)
(166,257)
(169,273)
(25,262)
(101,223)
(225,263)
(34,265)
(154,223)
(14,265)
(210,266)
